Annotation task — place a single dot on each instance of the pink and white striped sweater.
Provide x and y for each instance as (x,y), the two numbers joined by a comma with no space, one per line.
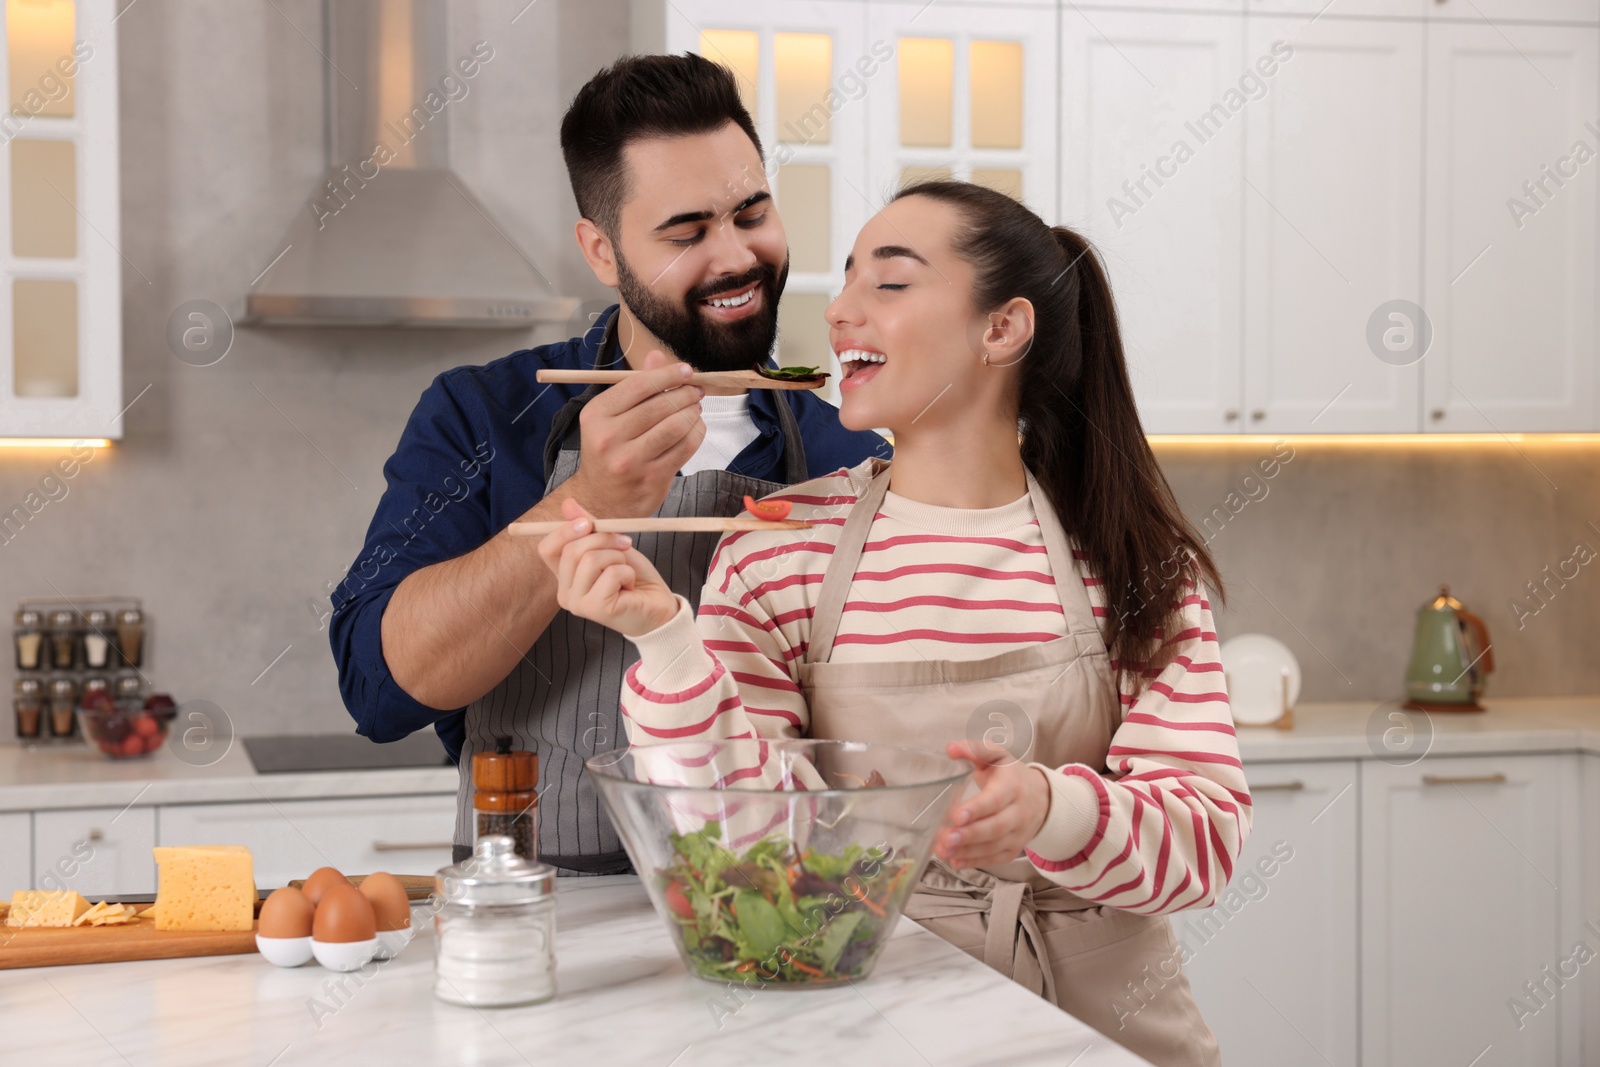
(1160,833)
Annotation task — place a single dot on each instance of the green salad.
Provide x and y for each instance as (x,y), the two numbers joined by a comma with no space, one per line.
(791,374)
(778,913)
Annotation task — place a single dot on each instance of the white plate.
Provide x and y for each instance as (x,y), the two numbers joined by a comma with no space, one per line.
(1254,665)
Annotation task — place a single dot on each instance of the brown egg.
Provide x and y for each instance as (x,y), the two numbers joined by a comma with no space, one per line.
(286,913)
(343,915)
(318,883)
(390,907)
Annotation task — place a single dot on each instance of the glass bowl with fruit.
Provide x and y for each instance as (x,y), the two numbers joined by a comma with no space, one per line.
(782,863)
(127,729)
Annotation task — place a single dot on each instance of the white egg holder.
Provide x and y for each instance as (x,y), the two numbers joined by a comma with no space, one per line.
(334,955)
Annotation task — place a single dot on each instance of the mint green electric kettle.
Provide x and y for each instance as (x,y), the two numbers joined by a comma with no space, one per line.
(1451,655)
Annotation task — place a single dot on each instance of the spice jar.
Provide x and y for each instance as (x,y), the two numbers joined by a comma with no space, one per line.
(495,930)
(97,640)
(63,707)
(29,704)
(63,640)
(129,690)
(92,684)
(504,797)
(29,640)
(130,636)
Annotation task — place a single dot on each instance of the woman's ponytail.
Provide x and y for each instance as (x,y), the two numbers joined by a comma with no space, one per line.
(1081,435)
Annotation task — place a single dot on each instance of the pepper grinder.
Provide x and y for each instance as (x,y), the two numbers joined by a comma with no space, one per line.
(505,796)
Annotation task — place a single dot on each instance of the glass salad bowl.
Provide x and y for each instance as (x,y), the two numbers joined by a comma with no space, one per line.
(784,863)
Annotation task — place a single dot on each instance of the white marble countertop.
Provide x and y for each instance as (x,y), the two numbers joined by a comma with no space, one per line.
(623,998)
(52,777)
(1356,730)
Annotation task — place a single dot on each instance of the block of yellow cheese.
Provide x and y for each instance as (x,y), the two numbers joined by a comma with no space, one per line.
(45,907)
(204,887)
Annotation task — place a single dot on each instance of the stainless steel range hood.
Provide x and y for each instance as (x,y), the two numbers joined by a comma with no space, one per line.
(392,236)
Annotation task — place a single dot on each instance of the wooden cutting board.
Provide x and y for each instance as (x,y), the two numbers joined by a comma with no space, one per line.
(112,944)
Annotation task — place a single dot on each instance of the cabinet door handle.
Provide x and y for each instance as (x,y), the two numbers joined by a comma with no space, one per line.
(1257,415)
(1437,413)
(1278,787)
(409,846)
(1463,779)
(1231,415)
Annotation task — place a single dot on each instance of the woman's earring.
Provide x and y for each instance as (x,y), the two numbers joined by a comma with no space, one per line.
(986,357)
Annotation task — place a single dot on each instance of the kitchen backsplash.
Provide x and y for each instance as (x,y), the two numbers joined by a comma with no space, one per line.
(243,489)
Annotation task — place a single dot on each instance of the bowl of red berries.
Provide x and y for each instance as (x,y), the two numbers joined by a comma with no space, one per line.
(127,730)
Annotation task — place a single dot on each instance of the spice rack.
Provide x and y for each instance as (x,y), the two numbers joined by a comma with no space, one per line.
(67,647)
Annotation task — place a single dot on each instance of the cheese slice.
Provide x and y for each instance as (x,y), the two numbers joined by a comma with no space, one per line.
(94,912)
(45,907)
(204,887)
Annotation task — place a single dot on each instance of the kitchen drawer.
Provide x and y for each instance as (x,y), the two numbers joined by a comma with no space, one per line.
(16,853)
(97,851)
(291,838)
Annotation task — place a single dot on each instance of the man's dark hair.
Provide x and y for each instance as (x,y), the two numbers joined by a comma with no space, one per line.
(635,98)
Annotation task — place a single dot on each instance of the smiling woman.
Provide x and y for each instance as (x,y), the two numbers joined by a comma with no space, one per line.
(1021,560)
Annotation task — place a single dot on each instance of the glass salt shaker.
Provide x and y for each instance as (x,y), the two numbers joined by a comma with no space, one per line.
(96,640)
(494,932)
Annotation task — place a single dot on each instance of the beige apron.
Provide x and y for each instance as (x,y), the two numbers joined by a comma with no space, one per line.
(1115,970)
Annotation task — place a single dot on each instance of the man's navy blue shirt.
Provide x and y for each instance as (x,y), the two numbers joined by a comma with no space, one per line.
(469,462)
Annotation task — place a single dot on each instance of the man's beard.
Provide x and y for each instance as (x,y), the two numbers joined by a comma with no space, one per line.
(686,330)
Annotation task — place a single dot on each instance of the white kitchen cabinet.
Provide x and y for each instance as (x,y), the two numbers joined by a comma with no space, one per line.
(1587,11)
(96,851)
(1511,246)
(60,258)
(1464,882)
(1589,910)
(1333,225)
(289,839)
(16,853)
(1150,172)
(1411,9)
(1273,966)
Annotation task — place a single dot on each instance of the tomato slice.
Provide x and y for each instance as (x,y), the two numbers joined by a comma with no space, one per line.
(773,510)
(678,901)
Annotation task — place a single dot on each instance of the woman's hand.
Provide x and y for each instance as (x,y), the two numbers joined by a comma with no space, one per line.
(603,578)
(1010,808)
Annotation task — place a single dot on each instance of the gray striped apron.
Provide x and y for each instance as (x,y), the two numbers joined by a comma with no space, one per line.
(563,700)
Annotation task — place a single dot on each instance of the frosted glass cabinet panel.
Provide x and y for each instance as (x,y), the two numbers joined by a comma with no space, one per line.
(927,90)
(60,269)
(38,34)
(803,64)
(740,52)
(996,93)
(803,195)
(44,196)
(44,317)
